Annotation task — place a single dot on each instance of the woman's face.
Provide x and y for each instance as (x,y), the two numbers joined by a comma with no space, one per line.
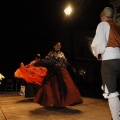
(57,47)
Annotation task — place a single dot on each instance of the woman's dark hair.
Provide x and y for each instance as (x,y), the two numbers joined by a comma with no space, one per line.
(56,42)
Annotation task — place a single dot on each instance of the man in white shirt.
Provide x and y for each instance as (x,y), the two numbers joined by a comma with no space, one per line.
(106,47)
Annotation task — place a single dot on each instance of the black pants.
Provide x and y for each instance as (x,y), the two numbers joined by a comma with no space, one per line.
(31,90)
(110,70)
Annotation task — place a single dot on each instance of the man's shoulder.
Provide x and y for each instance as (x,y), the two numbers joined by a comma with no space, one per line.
(103,23)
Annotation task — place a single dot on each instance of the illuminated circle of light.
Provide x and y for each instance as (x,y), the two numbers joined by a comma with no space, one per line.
(68,10)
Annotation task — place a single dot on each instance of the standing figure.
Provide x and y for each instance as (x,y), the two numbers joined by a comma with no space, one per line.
(106,47)
(33,76)
(32,87)
(58,89)
(22,82)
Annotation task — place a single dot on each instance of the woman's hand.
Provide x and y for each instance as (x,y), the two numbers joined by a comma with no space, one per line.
(74,70)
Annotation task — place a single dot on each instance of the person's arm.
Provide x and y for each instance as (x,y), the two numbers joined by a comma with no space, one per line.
(100,40)
(32,62)
(48,61)
(49,55)
(68,65)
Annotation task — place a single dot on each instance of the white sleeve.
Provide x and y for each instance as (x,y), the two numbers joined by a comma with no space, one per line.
(100,39)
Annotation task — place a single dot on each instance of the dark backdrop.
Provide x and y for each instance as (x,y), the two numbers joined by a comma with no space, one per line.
(30,26)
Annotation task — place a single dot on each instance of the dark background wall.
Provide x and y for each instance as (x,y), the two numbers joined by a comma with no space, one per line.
(31,26)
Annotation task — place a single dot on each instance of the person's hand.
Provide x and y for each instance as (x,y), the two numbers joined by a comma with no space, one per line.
(99,57)
(74,70)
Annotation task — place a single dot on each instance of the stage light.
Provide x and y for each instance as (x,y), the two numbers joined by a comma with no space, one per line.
(68,10)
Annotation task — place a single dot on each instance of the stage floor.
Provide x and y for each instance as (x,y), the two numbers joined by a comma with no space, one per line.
(16,107)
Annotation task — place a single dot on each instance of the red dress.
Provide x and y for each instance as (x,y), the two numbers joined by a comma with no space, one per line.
(31,74)
(58,91)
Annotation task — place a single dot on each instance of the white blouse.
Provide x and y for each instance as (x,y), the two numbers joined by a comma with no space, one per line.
(100,41)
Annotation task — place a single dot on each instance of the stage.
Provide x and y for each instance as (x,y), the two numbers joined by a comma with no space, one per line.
(16,107)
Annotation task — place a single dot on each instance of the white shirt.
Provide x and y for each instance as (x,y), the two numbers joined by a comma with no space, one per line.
(100,41)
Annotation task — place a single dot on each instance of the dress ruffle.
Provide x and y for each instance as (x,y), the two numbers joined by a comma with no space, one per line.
(31,74)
